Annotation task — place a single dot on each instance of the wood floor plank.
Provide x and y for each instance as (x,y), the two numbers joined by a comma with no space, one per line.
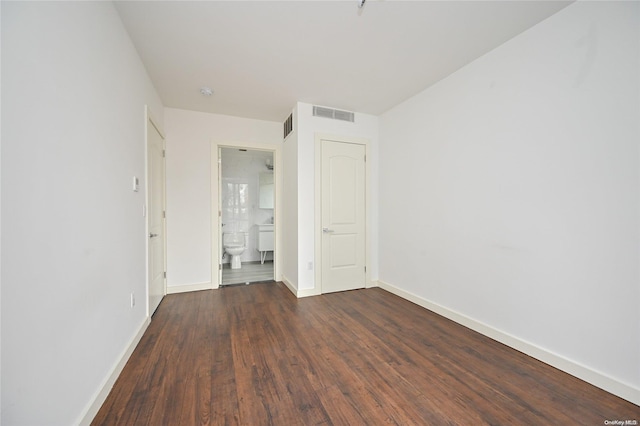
(224,399)
(429,407)
(256,355)
(446,384)
(473,372)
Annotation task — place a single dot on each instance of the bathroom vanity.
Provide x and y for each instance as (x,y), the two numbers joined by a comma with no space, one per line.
(265,240)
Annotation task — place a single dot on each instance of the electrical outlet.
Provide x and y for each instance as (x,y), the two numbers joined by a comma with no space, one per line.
(133,299)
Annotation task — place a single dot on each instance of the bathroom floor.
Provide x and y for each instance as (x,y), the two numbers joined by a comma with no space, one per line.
(249,273)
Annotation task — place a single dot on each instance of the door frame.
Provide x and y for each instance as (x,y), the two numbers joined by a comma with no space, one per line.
(150,120)
(319,137)
(216,190)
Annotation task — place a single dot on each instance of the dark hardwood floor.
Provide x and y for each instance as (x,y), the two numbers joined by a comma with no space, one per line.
(256,355)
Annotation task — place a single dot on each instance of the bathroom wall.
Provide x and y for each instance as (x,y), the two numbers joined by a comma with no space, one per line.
(240,197)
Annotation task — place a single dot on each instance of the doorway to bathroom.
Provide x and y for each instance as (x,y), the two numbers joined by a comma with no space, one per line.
(246,215)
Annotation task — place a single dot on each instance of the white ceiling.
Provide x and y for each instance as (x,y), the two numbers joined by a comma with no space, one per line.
(261,57)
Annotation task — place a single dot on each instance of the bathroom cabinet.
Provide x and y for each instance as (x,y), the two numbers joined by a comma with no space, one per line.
(265,240)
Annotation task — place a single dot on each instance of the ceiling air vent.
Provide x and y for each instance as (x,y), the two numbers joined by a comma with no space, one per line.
(335,114)
(288,125)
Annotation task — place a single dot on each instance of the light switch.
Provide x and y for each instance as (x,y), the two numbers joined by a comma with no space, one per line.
(136,184)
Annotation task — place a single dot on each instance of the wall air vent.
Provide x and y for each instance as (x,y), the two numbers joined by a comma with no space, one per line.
(288,125)
(335,114)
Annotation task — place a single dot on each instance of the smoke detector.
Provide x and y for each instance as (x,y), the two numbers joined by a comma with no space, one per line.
(206,91)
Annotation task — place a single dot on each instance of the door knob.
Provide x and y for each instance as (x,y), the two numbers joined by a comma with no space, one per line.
(153,235)
(327,230)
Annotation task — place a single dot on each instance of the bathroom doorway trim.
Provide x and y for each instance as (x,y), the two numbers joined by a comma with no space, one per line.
(216,208)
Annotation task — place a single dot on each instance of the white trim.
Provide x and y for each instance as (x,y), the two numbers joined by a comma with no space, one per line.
(175,289)
(214,219)
(589,375)
(319,137)
(299,293)
(276,149)
(307,292)
(292,288)
(98,399)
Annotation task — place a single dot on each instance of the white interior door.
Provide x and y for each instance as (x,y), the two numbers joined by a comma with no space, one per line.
(155,216)
(343,216)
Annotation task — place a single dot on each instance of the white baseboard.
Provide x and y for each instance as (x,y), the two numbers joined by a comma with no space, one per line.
(189,287)
(307,292)
(100,396)
(289,285)
(589,375)
(299,293)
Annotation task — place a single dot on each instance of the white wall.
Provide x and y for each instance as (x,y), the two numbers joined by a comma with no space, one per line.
(189,137)
(365,126)
(73,236)
(290,205)
(510,192)
(0,221)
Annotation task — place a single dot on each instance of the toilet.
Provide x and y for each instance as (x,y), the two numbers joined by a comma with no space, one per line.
(235,243)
